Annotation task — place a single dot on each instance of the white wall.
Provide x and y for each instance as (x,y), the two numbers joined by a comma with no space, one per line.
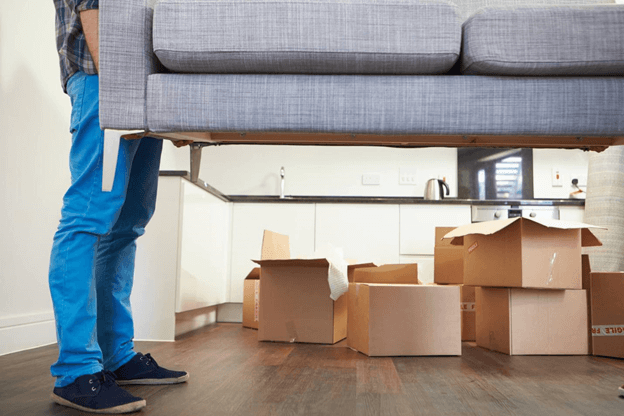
(570,163)
(34,148)
(315,170)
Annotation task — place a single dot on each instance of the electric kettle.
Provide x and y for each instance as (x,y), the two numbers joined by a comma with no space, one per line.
(434,190)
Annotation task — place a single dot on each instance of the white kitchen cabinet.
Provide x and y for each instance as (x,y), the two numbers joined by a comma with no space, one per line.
(418,223)
(365,232)
(182,260)
(249,220)
(425,266)
(204,255)
(571,213)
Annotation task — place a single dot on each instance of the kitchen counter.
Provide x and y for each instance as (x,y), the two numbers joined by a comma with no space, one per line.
(371,199)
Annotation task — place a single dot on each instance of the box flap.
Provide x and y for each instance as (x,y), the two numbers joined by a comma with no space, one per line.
(588,239)
(491,227)
(388,273)
(352,267)
(293,262)
(275,246)
(254,274)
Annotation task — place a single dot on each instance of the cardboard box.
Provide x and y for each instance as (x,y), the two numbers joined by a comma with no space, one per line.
(607,314)
(404,319)
(388,273)
(295,303)
(586,275)
(522,252)
(532,322)
(448,259)
(251,299)
(468,315)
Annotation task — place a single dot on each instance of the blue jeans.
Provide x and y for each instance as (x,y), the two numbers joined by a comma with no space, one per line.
(92,260)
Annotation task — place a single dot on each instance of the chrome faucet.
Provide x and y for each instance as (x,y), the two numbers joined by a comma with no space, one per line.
(282,174)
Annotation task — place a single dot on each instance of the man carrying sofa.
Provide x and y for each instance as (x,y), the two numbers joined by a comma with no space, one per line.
(92,260)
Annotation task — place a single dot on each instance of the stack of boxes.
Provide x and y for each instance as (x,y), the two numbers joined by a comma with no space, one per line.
(522,287)
(528,280)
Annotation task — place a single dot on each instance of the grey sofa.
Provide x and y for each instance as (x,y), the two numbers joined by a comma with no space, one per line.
(365,72)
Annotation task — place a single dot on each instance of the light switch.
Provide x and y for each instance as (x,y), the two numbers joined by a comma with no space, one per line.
(557,180)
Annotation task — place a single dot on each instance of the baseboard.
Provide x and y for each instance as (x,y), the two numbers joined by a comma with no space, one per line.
(230,312)
(26,336)
(194,319)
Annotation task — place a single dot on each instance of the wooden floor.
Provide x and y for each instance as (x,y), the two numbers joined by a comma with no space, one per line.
(234,374)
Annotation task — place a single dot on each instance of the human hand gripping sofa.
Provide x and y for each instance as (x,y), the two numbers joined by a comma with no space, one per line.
(407,73)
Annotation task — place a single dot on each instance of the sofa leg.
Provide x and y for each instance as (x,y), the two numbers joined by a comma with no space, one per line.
(196,152)
(109,162)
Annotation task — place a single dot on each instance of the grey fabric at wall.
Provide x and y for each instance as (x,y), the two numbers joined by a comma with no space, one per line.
(554,40)
(605,206)
(309,37)
(387,104)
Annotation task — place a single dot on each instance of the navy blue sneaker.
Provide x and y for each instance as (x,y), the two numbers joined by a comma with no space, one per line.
(143,369)
(97,393)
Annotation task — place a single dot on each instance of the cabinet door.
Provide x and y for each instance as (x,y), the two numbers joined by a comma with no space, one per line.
(156,267)
(248,224)
(205,242)
(418,223)
(364,232)
(571,213)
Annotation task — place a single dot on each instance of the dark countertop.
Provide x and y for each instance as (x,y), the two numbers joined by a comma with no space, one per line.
(313,199)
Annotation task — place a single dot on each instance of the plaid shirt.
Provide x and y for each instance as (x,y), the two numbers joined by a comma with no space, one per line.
(70,40)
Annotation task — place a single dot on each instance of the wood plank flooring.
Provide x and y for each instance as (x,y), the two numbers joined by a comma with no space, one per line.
(234,374)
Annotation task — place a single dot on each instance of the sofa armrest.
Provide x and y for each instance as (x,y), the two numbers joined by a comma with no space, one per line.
(126,60)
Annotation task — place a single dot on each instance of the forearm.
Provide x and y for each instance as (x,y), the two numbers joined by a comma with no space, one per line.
(90,27)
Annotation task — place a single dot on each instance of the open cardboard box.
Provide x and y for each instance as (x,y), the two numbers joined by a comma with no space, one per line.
(523,252)
(531,321)
(402,319)
(607,314)
(295,303)
(448,259)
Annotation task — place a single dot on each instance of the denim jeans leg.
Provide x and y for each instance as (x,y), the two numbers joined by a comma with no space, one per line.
(87,215)
(116,254)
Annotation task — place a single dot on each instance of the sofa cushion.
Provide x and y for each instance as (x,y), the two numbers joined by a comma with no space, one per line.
(429,104)
(555,40)
(307,37)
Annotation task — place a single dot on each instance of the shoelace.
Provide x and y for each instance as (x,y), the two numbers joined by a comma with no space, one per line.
(149,359)
(104,378)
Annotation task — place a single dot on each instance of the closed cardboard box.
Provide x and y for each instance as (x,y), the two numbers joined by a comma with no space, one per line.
(404,319)
(388,273)
(448,259)
(251,299)
(468,316)
(532,322)
(607,314)
(524,253)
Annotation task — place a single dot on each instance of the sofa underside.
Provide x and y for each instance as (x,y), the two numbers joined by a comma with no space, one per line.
(387,105)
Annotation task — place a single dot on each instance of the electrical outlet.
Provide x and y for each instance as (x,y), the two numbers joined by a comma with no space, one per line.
(407,176)
(557,179)
(371,179)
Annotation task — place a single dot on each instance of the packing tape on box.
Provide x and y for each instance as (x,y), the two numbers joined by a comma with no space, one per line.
(468,306)
(608,330)
(291,330)
(551,268)
(337,271)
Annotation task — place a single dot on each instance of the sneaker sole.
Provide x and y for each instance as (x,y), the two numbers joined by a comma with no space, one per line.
(154,381)
(124,408)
